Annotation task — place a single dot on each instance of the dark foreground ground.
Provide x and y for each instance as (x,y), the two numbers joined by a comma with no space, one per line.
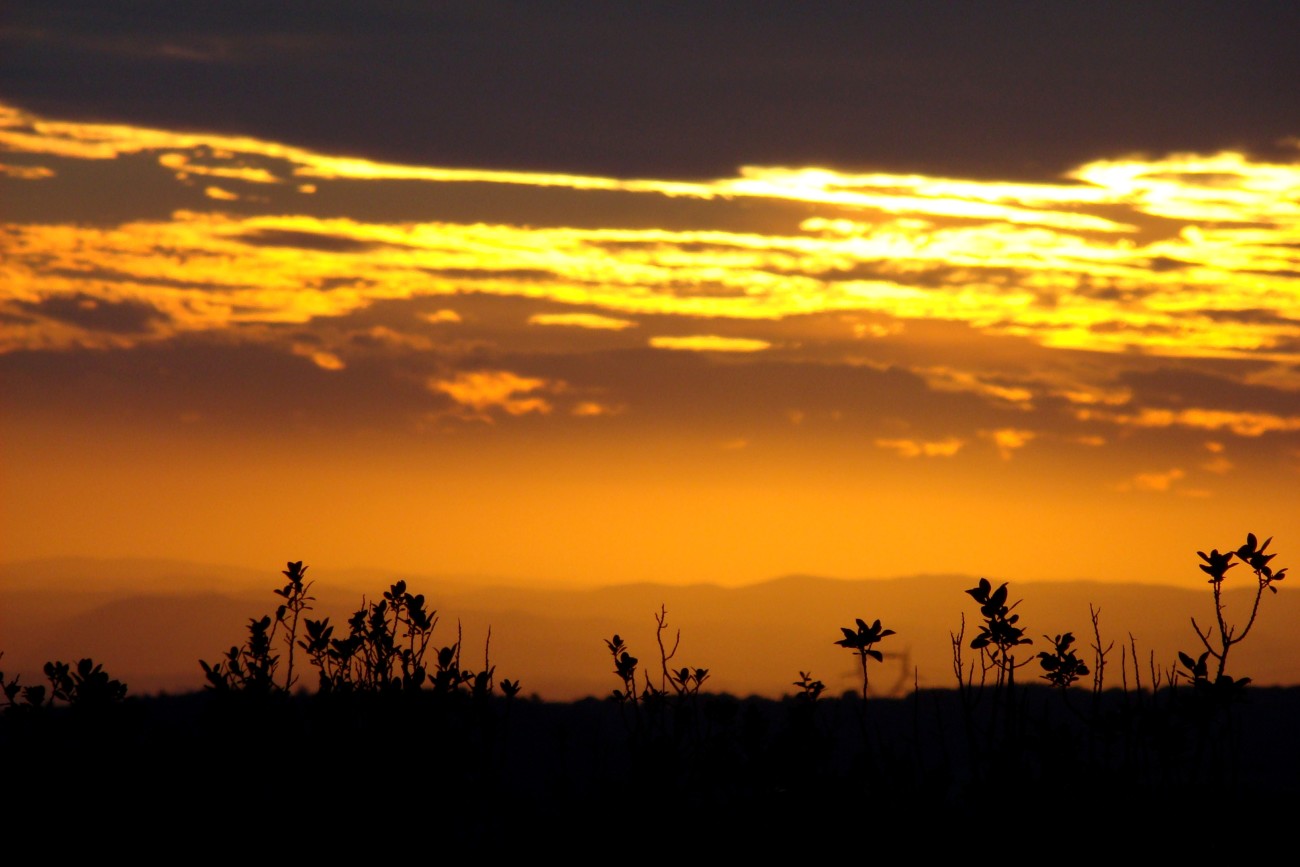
(347,774)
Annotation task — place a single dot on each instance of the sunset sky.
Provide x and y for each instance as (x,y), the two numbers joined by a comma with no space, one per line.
(592,293)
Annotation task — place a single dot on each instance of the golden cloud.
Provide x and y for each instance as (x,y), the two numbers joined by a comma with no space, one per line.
(439,316)
(1090,262)
(908,448)
(220,195)
(485,390)
(949,379)
(1008,440)
(1154,481)
(184,166)
(581,320)
(26,173)
(592,408)
(710,343)
(391,337)
(1246,424)
(1219,465)
(319,357)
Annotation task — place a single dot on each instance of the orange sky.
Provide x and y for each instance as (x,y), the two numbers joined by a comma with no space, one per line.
(227,349)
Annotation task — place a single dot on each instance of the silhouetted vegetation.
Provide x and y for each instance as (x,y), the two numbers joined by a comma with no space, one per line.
(392,707)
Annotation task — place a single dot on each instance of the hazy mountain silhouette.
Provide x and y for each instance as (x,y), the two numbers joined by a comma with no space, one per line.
(149,622)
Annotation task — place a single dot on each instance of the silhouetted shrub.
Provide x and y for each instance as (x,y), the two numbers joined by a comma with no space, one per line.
(393,708)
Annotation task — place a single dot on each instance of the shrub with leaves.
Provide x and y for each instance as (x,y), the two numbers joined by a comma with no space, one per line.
(1220,639)
(809,689)
(660,716)
(386,648)
(85,685)
(249,669)
(1062,665)
(625,668)
(999,634)
(296,600)
(862,641)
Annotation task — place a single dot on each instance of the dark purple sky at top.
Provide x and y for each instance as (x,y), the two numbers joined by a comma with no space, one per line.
(1010,90)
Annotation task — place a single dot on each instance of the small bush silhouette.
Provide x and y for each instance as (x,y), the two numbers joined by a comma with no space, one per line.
(999,634)
(85,685)
(383,678)
(1062,666)
(1220,639)
(387,649)
(809,689)
(862,642)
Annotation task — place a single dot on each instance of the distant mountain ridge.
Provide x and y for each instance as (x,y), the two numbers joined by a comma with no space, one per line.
(754,639)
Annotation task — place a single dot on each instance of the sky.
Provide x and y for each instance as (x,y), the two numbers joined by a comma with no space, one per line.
(586,293)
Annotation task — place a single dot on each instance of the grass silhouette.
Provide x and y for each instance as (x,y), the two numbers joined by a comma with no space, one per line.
(391,705)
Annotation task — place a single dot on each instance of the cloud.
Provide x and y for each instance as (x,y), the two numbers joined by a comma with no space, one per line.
(382,335)
(438,317)
(1153,481)
(321,358)
(1179,387)
(908,448)
(877,329)
(696,106)
(948,379)
(710,343)
(1092,395)
(306,241)
(581,320)
(1006,258)
(486,390)
(220,195)
(184,164)
(1246,424)
(97,314)
(977,305)
(522,275)
(1254,316)
(26,173)
(1008,440)
(592,408)
(1218,465)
